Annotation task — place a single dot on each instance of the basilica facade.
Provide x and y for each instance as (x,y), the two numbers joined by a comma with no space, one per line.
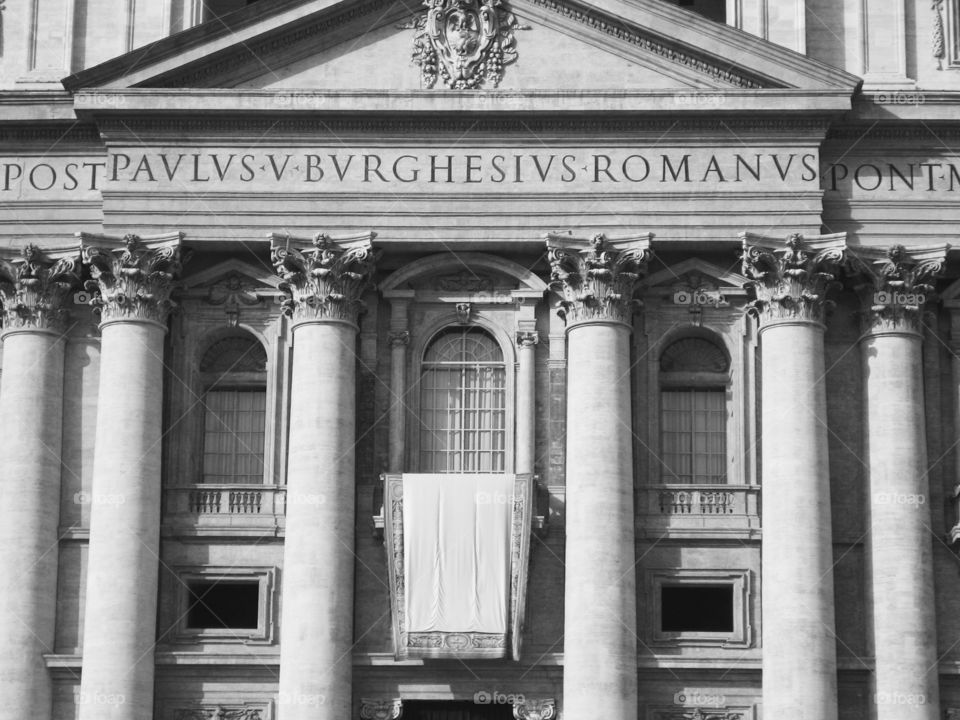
(479,359)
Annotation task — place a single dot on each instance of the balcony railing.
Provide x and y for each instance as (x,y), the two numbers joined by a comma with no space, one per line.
(699,509)
(238,509)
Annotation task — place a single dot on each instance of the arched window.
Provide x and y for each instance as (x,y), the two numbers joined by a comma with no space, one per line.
(694,373)
(463,408)
(233,371)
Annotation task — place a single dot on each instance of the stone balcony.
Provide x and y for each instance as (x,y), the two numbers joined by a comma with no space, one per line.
(683,511)
(221,509)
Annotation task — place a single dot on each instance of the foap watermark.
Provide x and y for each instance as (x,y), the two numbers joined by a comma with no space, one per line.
(699,98)
(296,699)
(699,697)
(495,697)
(491,297)
(105,99)
(84,297)
(310,499)
(700,297)
(899,698)
(85,498)
(892,298)
(98,698)
(899,98)
(493,498)
(890,498)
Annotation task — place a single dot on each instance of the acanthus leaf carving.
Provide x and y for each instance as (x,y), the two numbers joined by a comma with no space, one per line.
(530,709)
(939,36)
(792,277)
(324,279)
(381,709)
(33,288)
(897,284)
(132,277)
(465,43)
(596,279)
(219,712)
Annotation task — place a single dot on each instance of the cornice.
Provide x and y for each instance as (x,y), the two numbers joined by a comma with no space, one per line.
(335,126)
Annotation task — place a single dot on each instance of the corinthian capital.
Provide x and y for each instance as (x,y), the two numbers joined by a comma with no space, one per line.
(381,709)
(596,277)
(34,285)
(792,277)
(324,278)
(535,709)
(132,276)
(897,283)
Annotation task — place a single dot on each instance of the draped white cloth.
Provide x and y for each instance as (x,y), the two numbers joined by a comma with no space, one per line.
(456,547)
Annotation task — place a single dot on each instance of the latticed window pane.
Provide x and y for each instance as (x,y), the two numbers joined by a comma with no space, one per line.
(694,435)
(233,435)
(463,411)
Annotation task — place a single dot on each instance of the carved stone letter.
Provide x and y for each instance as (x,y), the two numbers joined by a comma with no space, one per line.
(792,277)
(596,278)
(324,278)
(34,287)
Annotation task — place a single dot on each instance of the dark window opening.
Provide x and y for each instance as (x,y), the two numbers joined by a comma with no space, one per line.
(710,9)
(696,608)
(224,605)
(213,9)
(491,705)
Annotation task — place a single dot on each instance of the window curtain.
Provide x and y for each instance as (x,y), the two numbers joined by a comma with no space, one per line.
(233,436)
(694,436)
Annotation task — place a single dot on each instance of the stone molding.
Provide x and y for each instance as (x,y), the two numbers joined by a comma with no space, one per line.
(896,284)
(221,712)
(132,276)
(381,709)
(596,277)
(792,277)
(324,278)
(34,285)
(529,709)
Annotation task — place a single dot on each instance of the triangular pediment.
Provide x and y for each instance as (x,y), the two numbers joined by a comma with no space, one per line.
(692,276)
(354,45)
(232,281)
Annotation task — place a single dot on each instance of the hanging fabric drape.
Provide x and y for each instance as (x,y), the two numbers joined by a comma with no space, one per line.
(458,547)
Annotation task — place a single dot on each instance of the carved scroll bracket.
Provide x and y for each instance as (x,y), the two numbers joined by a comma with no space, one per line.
(529,709)
(381,709)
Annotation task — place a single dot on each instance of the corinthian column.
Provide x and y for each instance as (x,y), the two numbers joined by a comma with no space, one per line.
(791,280)
(33,288)
(596,279)
(897,284)
(324,280)
(133,278)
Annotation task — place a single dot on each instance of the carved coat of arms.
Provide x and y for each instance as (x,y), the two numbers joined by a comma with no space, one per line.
(465,43)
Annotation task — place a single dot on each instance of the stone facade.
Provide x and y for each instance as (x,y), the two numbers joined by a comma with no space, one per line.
(215,210)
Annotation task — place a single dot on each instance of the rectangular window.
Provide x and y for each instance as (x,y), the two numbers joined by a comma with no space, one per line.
(224,605)
(233,435)
(696,608)
(463,416)
(693,435)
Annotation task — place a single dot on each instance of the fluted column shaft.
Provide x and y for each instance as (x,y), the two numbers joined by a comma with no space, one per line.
(31,403)
(799,639)
(900,539)
(596,279)
(134,280)
(324,282)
